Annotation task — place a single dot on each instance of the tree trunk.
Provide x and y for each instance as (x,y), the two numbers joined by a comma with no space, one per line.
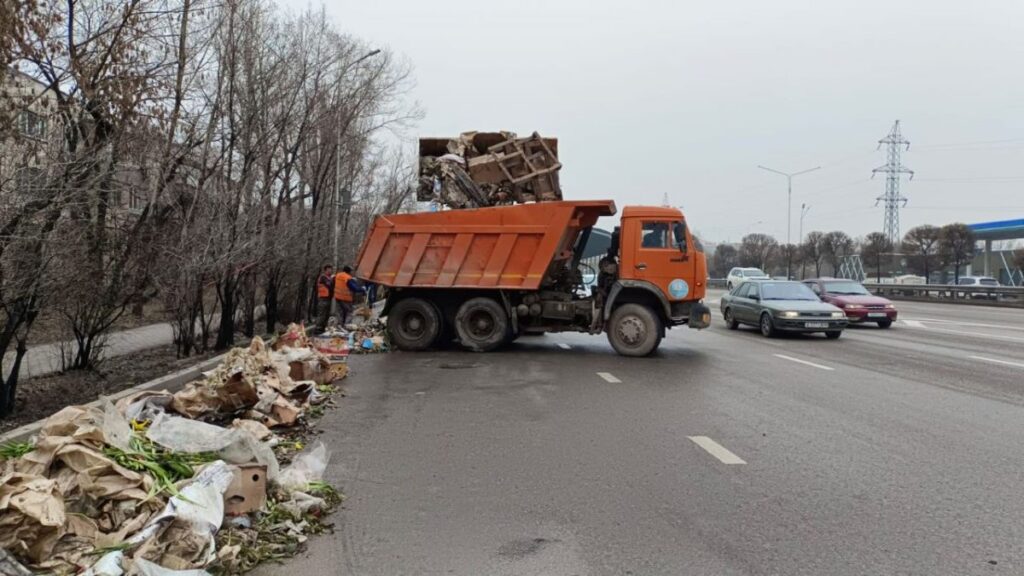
(270,302)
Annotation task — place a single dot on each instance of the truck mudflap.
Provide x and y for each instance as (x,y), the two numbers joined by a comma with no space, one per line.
(700,316)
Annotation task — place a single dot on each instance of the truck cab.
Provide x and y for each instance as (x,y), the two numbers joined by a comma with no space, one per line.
(662,269)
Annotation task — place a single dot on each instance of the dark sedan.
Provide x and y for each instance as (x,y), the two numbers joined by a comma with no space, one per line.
(775,306)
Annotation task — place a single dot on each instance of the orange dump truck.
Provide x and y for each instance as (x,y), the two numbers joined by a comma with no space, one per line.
(489,275)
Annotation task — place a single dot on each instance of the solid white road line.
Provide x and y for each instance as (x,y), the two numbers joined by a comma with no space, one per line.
(973,324)
(716,450)
(912,323)
(799,361)
(1006,362)
(564,346)
(609,378)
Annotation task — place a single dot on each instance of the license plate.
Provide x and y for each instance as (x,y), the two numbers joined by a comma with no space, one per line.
(876,315)
(815,324)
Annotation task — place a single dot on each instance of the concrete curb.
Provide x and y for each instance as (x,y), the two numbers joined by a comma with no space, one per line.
(171,382)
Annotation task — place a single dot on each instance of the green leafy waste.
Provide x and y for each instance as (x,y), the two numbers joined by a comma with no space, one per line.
(15,450)
(166,467)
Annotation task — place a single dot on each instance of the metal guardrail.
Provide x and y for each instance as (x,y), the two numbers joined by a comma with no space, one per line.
(1011,295)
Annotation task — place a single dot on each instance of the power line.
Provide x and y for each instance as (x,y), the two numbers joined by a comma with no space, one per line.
(893,168)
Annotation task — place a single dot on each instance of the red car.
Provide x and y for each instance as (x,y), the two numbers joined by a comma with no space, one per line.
(859,304)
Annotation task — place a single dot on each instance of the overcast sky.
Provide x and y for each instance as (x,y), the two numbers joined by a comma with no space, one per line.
(687,98)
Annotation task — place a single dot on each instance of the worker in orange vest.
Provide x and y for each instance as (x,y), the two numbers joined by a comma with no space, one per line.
(345,289)
(324,290)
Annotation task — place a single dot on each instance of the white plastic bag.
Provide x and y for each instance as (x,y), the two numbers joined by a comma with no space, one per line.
(116,429)
(306,468)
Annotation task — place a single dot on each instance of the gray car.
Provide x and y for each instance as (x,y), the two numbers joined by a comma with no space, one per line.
(786,306)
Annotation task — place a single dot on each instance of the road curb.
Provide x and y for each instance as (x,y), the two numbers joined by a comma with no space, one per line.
(171,382)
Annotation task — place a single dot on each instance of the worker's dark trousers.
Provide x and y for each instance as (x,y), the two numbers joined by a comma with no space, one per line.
(344,312)
(323,312)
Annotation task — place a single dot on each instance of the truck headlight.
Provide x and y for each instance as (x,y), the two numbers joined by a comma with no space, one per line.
(838,315)
(789,314)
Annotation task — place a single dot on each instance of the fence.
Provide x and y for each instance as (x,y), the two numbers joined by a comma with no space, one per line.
(1002,295)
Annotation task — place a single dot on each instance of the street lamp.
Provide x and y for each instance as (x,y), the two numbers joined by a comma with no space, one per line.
(804,209)
(789,201)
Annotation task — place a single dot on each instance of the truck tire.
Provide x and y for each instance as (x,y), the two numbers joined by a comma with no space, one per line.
(634,330)
(413,324)
(482,324)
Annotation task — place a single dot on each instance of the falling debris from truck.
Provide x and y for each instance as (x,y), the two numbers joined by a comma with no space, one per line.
(480,169)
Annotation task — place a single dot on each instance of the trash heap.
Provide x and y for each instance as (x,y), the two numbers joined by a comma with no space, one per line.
(479,169)
(366,334)
(164,482)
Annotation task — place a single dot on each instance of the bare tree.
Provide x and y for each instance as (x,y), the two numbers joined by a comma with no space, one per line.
(874,250)
(757,250)
(956,247)
(923,243)
(812,250)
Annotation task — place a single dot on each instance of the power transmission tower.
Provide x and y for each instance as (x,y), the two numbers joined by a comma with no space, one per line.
(664,200)
(893,167)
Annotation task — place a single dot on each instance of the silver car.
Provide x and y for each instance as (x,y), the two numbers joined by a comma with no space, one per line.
(781,306)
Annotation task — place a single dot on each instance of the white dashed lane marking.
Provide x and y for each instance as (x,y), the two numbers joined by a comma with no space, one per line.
(564,346)
(804,362)
(994,360)
(716,450)
(608,377)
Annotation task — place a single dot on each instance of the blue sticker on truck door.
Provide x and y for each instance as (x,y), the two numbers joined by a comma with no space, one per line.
(678,289)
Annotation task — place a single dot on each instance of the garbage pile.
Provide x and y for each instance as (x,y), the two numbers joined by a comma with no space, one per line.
(146,487)
(479,169)
(366,334)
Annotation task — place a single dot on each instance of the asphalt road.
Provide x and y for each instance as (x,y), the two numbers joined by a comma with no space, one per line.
(895,451)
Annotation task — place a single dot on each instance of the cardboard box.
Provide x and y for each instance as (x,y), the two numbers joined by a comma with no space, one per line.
(247,491)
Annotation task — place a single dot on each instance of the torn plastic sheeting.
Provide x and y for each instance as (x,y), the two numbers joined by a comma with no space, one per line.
(199,507)
(235,445)
(146,568)
(116,429)
(191,436)
(305,468)
(145,405)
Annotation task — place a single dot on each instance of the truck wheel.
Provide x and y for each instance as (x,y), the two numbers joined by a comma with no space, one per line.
(482,324)
(634,330)
(413,324)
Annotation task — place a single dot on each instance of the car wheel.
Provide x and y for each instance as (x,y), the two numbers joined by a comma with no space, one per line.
(884,323)
(834,334)
(634,330)
(730,322)
(728,286)
(413,324)
(767,326)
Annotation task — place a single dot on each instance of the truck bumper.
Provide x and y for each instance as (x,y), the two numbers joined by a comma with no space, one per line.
(700,316)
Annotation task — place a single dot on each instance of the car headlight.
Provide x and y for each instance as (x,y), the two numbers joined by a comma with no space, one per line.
(789,314)
(853,306)
(838,315)
(890,306)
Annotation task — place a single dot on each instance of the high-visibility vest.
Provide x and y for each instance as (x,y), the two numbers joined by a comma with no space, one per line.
(341,291)
(323,288)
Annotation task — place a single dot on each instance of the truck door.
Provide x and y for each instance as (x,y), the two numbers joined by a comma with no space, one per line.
(665,258)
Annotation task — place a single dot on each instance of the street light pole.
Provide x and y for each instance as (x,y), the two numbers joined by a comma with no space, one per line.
(804,209)
(789,202)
